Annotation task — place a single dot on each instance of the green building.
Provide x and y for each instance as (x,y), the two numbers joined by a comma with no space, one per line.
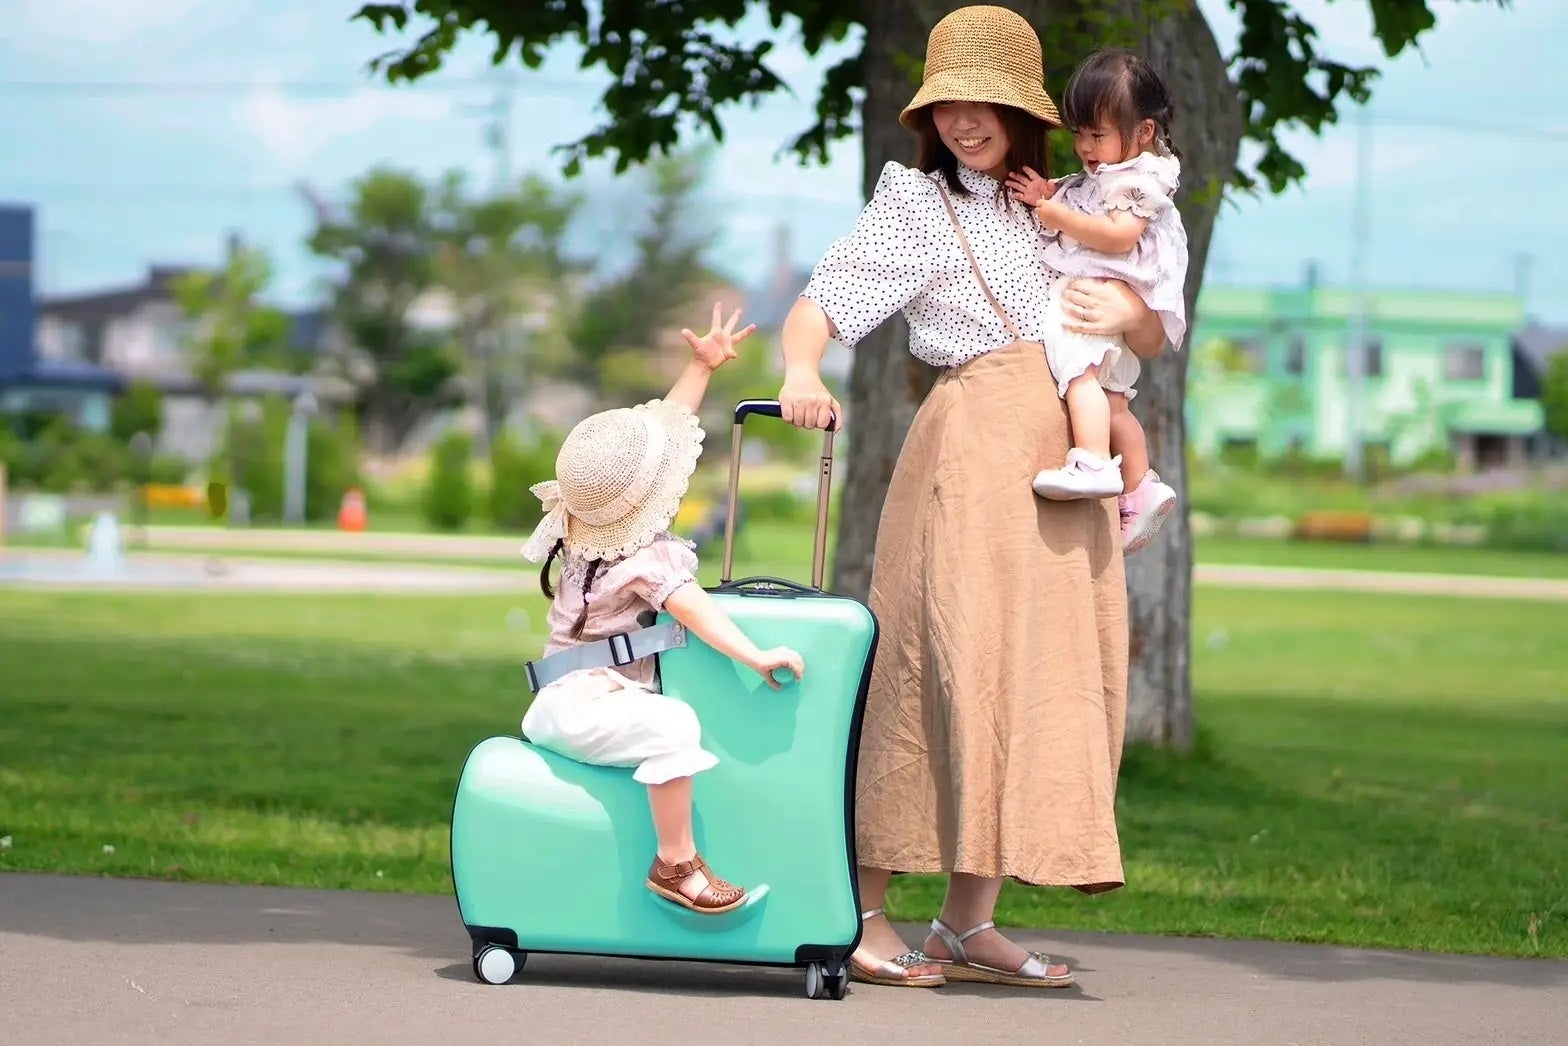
(1445,375)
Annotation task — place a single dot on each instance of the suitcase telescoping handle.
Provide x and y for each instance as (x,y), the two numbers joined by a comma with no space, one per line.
(771,409)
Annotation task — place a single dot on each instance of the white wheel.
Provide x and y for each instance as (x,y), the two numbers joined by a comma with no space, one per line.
(495,965)
(816,983)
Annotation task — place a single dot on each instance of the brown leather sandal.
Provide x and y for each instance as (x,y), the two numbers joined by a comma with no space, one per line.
(714,897)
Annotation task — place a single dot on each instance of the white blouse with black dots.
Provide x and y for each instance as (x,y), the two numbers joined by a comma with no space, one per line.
(904,254)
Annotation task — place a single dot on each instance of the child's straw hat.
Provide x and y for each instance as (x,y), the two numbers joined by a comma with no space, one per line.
(619,480)
(984,54)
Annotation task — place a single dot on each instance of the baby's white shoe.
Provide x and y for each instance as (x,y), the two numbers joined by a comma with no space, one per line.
(1085,475)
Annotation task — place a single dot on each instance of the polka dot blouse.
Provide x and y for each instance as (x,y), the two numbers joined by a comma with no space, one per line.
(904,255)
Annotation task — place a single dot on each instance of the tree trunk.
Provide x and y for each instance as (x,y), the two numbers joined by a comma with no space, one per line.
(886,387)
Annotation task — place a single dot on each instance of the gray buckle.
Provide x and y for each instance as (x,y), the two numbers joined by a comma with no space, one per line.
(617,641)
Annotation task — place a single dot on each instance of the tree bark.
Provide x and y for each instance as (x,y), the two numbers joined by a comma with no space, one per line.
(886,385)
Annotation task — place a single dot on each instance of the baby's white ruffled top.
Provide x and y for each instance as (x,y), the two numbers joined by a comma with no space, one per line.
(1156,267)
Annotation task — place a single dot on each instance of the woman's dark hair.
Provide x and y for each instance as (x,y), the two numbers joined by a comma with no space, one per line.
(1027,146)
(549,592)
(1120,88)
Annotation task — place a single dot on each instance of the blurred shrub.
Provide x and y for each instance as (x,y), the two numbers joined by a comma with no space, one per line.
(449,493)
(516,464)
(254,450)
(138,409)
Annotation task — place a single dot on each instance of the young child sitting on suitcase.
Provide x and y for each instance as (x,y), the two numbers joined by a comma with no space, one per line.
(620,478)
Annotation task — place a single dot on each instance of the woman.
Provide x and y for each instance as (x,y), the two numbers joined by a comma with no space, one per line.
(993,728)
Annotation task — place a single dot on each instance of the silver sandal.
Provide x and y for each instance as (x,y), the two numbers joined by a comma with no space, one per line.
(1034,973)
(894,972)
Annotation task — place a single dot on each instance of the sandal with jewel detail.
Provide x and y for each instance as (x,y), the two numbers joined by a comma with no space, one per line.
(1034,973)
(714,896)
(895,972)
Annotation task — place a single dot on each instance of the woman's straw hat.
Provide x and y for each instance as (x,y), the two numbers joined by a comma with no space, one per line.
(984,54)
(619,480)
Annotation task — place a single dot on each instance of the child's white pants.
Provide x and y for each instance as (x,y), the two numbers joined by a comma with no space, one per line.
(1070,353)
(599,716)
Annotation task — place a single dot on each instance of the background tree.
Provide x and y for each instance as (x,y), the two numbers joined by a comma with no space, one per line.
(619,325)
(230,328)
(500,257)
(385,244)
(676,62)
(1554,394)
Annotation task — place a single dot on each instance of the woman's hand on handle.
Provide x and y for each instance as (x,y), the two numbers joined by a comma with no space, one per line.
(805,401)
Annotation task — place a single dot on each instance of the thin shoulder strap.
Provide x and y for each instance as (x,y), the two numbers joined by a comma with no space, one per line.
(963,241)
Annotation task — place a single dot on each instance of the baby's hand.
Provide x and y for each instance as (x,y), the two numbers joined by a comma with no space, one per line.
(1029,188)
(1049,213)
(717,347)
(779,657)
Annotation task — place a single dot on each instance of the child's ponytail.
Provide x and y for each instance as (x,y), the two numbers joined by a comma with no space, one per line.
(549,590)
(544,571)
(582,619)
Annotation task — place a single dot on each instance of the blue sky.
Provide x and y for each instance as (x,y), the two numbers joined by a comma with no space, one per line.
(144,131)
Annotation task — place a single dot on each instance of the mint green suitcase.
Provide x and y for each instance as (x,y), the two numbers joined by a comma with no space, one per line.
(550,855)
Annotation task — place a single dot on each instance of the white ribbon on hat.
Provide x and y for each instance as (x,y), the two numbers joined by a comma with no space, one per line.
(552,527)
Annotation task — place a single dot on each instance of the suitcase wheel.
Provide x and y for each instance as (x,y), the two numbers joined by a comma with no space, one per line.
(496,965)
(827,980)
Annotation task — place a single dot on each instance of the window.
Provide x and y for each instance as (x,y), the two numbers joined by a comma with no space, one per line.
(73,342)
(1296,355)
(1464,361)
(1373,358)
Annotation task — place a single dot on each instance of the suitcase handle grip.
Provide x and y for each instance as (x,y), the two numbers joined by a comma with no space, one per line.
(772,409)
(768,409)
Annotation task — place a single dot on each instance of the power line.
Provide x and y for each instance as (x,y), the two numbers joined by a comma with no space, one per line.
(214,87)
(1479,126)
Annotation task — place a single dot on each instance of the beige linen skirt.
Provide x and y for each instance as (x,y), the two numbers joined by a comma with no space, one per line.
(993,727)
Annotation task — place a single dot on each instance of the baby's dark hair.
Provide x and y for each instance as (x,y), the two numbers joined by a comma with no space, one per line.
(1120,88)
(549,592)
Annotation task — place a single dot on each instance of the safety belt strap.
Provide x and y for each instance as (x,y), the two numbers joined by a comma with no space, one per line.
(616,651)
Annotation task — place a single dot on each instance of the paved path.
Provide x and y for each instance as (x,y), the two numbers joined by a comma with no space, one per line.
(56,568)
(139,962)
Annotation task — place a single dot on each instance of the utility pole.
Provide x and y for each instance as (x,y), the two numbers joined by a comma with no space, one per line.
(498,131)
(1524,261)
(1356,340)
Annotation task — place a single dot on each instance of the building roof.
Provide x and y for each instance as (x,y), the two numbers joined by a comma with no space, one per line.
(116,301)
(1538,343)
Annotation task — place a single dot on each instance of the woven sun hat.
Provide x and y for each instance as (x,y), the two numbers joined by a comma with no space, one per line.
(619,479)
(984,54)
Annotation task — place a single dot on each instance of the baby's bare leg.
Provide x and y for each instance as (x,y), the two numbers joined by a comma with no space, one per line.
(1090,416)
(1127,439)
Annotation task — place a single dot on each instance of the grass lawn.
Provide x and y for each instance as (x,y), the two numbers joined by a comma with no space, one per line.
(1383,771)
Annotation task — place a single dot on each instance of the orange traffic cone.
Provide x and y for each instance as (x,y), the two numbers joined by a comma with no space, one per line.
(351,515)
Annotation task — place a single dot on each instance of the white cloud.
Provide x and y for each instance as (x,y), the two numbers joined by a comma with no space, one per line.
(295,130)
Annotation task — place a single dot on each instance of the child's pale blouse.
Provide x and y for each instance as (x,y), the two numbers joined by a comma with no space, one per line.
(622,590)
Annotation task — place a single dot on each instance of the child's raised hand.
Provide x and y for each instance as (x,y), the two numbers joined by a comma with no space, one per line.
(1029,187)
(717,347)
(768,661)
